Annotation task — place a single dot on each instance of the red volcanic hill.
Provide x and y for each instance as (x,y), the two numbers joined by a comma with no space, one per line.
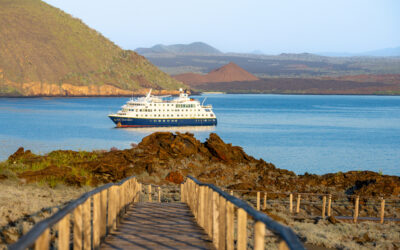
(227,73)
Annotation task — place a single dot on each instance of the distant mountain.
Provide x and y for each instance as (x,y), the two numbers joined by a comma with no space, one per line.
(377,53)
(46,52)
(227,73)
(196,48)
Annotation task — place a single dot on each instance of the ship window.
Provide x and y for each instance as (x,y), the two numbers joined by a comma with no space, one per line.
(137,115)
(177,115)
(145,115)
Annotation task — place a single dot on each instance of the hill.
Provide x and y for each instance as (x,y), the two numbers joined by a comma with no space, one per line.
(196,48)
(45,51)
(327,86)
(230,72)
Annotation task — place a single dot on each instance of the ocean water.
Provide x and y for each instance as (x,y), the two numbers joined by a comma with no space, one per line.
(302,133)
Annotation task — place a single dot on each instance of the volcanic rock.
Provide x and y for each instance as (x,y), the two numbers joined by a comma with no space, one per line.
(230,72)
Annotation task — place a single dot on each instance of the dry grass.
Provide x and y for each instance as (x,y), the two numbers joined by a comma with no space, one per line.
(23,205)
(364,235)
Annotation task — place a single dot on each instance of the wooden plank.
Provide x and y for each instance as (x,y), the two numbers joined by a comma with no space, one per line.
(230,226)
(96,220)
(63,228)
(258,201)
(215,218)
(78,227)
(259,235)
(43,242)
(291,203)
(158,226)
(87,225)
(241,229)
(159,194)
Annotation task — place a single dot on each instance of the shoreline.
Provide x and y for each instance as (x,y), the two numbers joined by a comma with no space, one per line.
(196,94)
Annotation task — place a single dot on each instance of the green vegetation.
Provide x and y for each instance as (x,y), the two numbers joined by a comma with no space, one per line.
(55,168)
(40,43)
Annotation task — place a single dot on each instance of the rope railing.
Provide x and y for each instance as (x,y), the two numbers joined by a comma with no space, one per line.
(214,211)
(93,216)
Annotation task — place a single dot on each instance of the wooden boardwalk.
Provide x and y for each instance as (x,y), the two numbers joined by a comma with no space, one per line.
(149,225)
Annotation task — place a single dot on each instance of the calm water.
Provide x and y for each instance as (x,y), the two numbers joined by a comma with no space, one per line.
(316,134)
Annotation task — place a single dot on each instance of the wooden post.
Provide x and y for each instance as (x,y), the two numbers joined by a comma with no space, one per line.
(210,217)
(87,225)
(201,205)
(206,213)
(382,215)
(356,208)
(291,203)
(215,219)
(63,233)
(259,235)
(222,223)
(265,201)
(258,201)
(283,245)
(149,191)
(115,207)
(241,229)
(230,226)
(323,206)
(96,220)
(103,211)
(298,204)
(182,193)
(329,205)
(78,227)
(110,209)
(43,242)
(159,195)
(231,192)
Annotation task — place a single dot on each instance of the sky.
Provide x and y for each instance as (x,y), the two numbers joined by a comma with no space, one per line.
(273,27)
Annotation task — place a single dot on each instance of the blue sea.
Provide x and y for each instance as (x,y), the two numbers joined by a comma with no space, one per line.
(303,133)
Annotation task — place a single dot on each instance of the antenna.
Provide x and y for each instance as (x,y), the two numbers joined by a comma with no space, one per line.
(204,101)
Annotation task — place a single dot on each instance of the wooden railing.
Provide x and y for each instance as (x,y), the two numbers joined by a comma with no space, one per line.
(214,210)
(93,216)
(325,203)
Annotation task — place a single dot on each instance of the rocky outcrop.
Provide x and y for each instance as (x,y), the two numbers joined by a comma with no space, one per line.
(165,157)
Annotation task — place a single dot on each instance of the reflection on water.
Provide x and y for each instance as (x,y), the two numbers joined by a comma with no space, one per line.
(182,129)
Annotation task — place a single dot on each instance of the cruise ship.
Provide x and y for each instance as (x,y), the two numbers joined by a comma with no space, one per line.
(154,111)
